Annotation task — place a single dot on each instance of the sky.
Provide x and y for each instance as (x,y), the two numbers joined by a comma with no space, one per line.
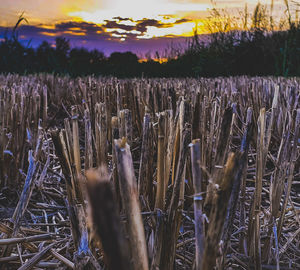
(139,26)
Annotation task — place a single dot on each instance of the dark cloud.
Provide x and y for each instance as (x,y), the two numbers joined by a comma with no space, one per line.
(183,20)
(105,37)
(113,24)
(91,29)
(74,31)
(141,25)
(122,19)
(83,26)
(73,28)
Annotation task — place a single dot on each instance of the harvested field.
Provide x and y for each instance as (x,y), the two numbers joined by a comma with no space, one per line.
(102,173)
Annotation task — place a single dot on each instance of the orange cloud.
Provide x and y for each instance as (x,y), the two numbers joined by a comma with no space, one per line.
(73,33)
(48,34)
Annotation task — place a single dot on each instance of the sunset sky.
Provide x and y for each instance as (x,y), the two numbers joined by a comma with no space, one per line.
(112,25)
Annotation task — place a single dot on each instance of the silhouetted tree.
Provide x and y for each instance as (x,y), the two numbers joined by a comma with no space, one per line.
(97,62)
(123,64)
(46,57)
(62,48)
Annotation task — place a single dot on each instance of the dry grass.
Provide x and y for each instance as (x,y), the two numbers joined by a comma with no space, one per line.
(193,173)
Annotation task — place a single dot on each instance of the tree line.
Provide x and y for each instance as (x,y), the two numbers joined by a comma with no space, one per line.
(257,48)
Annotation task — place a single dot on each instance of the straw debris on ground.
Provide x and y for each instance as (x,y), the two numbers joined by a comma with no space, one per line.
(104,173)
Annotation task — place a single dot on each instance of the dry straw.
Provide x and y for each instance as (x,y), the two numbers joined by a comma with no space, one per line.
(194,173)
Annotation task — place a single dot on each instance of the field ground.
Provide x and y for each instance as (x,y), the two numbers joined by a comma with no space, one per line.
(191,173)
